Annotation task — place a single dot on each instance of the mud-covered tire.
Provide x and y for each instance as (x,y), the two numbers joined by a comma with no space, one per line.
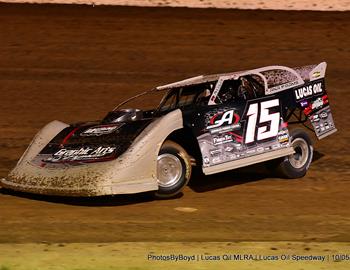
(173,170)
(297,164)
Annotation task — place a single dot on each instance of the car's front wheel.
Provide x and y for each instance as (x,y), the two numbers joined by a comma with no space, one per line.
(173,170)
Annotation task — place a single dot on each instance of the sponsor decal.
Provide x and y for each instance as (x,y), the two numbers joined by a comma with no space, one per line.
(307,111)
(221,140)
(229,149)
(323,121)
(316,74)
(325,99)
(283,138)
(250,151)
(317,104)
(315,118)
(225,129)
(216,160)
(282,87)
(304,103)
(84,153)
(228,118)
(232,156)
(100,130)
(238,146)
(307,91)
(215,152)
(260,149)
(276,146)
(324,115)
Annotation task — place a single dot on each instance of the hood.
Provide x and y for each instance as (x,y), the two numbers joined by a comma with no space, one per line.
(91,142)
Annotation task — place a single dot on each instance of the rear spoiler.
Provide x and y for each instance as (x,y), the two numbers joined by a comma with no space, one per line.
(312,72)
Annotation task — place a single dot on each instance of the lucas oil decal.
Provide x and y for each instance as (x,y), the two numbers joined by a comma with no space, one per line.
(308,91)
(81,154)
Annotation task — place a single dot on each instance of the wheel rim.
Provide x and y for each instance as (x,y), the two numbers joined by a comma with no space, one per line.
(301,155)
(169,170)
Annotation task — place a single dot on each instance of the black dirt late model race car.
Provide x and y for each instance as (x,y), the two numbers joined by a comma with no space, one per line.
(218,122)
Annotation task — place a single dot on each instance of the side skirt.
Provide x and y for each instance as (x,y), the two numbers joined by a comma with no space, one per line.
(248,161)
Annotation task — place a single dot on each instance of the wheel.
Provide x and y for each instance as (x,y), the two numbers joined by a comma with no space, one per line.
(297,164)
(173,170)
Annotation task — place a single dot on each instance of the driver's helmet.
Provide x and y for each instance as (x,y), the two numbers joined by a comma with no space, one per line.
(228,94)
(245,90)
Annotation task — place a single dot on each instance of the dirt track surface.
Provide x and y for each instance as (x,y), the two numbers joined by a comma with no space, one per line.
(75,63)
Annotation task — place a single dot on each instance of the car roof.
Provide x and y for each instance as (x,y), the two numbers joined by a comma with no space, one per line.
(285,76)
(197,80)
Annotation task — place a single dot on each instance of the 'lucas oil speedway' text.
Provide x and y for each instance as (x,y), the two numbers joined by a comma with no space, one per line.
(236,257)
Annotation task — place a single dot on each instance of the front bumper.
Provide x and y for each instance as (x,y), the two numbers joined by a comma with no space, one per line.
(121,188)
(58,191)
(107,178)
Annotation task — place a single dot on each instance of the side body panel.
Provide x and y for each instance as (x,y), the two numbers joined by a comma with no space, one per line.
(239,134)
(243,132)
(312,99)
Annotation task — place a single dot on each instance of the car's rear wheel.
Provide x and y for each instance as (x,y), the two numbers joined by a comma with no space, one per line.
(173,170)
(297,164)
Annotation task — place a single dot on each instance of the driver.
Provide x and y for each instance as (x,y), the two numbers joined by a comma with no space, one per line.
(228,94)
(245,91)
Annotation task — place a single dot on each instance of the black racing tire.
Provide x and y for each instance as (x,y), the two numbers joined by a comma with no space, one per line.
(173,170)
(297,164)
